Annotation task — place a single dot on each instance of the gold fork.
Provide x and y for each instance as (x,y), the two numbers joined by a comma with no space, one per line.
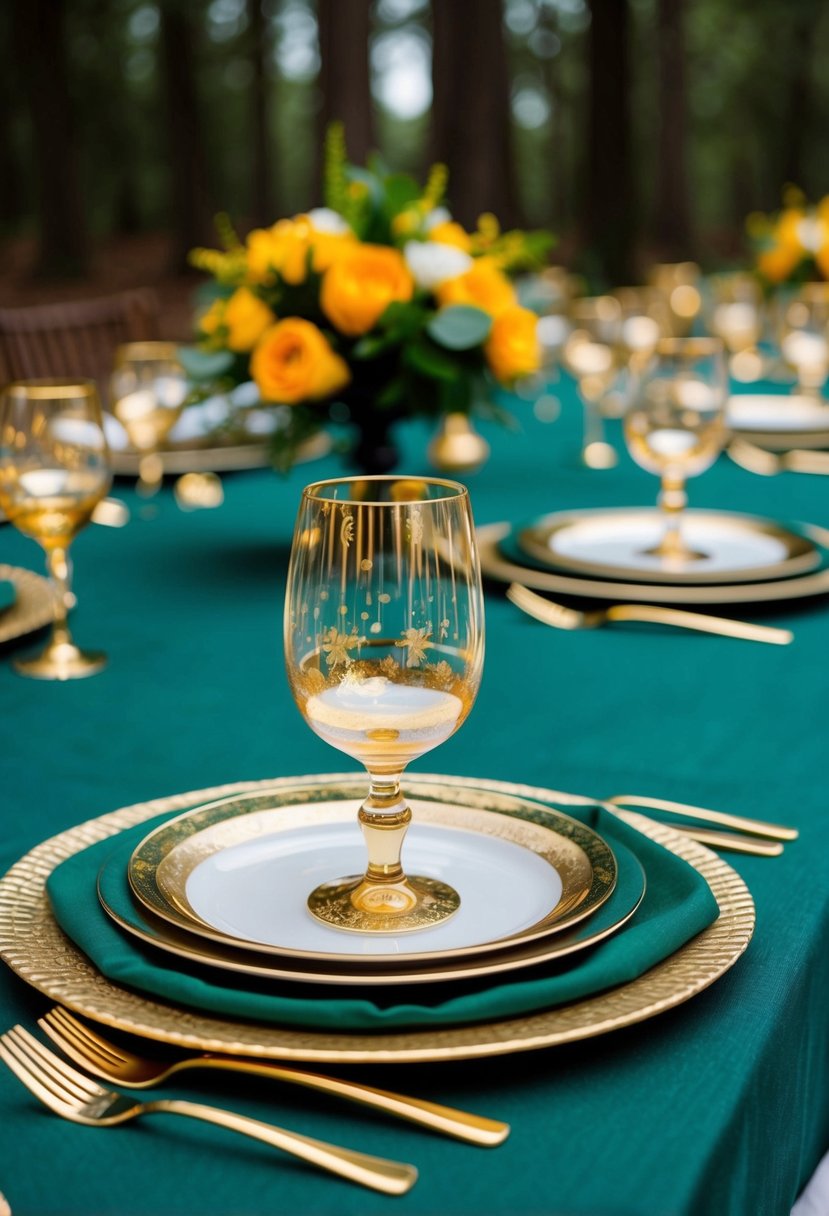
(758,460)
(75,1097)
(114,1063)
(560,617)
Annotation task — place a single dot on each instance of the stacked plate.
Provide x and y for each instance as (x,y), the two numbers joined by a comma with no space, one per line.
(575,919)
(226,885)
(778,421)
(608,554)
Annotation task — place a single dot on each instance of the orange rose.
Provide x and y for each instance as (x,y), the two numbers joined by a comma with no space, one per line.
(358,287)
(246,318)
(483,285)
(451,233)
(293,362)
(512,348)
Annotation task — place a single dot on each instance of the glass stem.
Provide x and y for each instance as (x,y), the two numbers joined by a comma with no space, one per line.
(384,818)
(672,503)
(60,570)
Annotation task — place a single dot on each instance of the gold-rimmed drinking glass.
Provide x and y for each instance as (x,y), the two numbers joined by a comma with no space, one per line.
(675,428)
(679,285)
(148,390)
(384,647)
(592,354)
(736,314)
(54,470)
(804,341)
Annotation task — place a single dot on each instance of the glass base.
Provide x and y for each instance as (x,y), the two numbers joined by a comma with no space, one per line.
(599,455)
(675,555)
(361,906)
(61,661)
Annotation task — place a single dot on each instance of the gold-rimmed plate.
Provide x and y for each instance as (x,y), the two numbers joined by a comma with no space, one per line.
(134,920)
(38,952)
(237,872)
(505,568)
(33,607)
(778,421)
(619,543)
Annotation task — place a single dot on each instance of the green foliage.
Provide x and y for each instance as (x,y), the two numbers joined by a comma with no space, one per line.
(460,327)
(205,365)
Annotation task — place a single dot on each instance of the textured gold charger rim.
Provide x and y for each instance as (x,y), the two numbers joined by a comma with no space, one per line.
(62,973)
(802,557)
(34,604)
(218,459)
(596,856)
(499,568)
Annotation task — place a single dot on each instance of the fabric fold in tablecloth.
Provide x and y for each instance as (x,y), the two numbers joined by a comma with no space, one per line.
(677,905)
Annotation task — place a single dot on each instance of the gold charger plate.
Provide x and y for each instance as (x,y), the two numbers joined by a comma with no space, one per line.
(624,534)
(298,826)
(223,458)
(499,568)
(33,607)
(37,951)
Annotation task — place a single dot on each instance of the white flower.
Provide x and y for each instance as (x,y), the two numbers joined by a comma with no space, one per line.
(323,219)
(432,263)
(438,215)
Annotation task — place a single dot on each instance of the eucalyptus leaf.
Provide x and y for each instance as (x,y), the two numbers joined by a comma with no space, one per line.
(460,327)
(204,364)
(428,360)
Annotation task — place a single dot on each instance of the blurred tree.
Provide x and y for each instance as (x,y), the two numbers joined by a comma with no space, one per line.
(672,219)
(471,130)
(190,209)
(610,194)
(344,31)
(40,47)
(262,202)
(803,15)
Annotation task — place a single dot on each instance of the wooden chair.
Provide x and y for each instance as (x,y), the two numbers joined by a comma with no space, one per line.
(75,339)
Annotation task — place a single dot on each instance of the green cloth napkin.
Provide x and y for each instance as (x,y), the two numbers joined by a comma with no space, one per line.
(8,593)
(677,905)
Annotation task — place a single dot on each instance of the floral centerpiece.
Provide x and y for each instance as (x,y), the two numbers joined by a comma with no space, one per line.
(375,307)
(791,245)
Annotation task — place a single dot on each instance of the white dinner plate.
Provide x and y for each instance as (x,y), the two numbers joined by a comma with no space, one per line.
(779,420)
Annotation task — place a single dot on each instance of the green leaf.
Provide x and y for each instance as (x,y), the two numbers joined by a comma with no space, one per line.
(460,327)
(401,191)
(204,364)
(426,359)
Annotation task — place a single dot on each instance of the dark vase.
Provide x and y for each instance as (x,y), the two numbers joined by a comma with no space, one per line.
(375,449)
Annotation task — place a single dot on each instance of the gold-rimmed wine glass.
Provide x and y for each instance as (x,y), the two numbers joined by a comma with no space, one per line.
(384,647)
(591,354)
(675,428)
(54,470)
(148,390)
(804,341)
(736,315)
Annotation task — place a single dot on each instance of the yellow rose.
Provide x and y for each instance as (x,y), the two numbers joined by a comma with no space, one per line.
(359,286)
(212,329)
(512,348)
(284,249)
(451,233)
(293,362)
(246,318)
(483,285)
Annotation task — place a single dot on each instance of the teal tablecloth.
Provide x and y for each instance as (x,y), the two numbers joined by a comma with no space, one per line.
(720,1108)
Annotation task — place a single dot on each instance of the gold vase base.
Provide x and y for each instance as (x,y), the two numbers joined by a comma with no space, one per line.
(360,906)
(61,661)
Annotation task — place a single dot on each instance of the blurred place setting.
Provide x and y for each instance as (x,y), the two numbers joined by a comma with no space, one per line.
(414,587)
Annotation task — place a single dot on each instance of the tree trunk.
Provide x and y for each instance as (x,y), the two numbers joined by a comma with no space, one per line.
(672,220)
(609,204)
(345,78)
(190,210)
(261,191)
(39,35)
(471,125)
(797,107)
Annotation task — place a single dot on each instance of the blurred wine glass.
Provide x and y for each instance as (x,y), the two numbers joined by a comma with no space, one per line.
(384,647)
(675,428)
(592,355)
(679,285)
(804,341)
(54,470)
(736,315)
(148,391)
